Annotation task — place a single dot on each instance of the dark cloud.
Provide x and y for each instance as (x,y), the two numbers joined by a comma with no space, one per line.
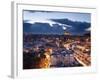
(77,28)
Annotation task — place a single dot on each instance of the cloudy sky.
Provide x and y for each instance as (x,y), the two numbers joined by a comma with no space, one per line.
(43,15)
(75,23)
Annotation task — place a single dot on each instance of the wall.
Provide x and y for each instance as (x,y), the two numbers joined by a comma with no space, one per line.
(5,38)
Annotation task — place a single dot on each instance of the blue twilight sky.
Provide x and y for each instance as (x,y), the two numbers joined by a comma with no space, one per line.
(44,15)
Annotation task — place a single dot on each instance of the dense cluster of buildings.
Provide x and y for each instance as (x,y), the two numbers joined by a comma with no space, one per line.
(56,51)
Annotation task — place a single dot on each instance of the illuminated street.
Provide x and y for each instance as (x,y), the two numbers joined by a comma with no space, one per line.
(57,51)
(53,39)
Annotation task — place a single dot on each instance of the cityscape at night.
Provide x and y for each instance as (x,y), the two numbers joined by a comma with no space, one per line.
(56,39)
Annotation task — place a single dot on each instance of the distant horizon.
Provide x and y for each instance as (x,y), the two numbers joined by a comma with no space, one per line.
(52,22)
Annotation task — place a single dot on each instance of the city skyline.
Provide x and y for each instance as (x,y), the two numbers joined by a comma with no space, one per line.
(56,39)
